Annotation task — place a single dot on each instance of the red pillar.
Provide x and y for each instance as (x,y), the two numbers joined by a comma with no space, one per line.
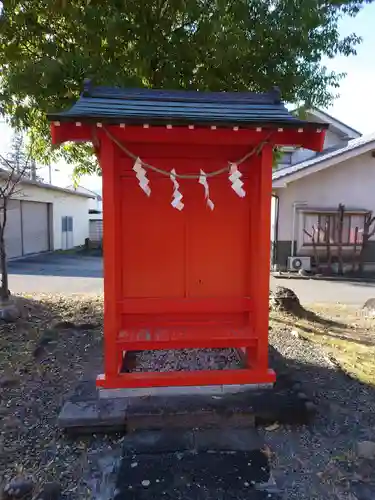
(263,245)
(112,252)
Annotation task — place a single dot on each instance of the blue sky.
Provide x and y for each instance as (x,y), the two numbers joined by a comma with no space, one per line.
(355,106)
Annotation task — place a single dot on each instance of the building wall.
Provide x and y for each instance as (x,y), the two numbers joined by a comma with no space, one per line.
(333,139)
(351,182)
(96,204)
(64,204)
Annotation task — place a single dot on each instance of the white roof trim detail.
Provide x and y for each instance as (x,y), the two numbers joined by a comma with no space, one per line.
(282,177)
(345,130)
(42,185)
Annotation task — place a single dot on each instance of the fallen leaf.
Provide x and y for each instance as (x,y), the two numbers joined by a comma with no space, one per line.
(266,450)
(272,427)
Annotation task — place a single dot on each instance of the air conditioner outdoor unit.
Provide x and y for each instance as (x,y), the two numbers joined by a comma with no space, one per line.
(297,263)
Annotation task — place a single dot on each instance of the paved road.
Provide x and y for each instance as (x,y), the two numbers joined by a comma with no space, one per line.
(57,273)
(69,274)
(310,291)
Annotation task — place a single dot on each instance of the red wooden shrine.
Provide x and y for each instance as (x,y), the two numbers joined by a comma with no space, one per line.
(194,278)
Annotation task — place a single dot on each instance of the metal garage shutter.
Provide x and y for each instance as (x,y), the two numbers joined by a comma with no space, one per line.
(35,227)
(13,234)
(95,230)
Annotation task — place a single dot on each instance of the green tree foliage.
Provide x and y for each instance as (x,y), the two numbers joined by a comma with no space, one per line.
(47,48)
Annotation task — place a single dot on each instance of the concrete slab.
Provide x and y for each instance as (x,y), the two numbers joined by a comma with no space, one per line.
(158,441)
(238,406)
(215,390)
(190,411)
(87,417)
(198,475)
(229,439)
(172,440)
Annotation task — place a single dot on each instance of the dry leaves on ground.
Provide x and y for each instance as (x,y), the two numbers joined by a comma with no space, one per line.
(34,387)
(347,336)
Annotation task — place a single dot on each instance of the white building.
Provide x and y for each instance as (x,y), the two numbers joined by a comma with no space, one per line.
(96,214)
(308,187)
(42,217)
(95,202)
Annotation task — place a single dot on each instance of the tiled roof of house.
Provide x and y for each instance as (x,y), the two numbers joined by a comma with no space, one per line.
(135,106)
(325,155)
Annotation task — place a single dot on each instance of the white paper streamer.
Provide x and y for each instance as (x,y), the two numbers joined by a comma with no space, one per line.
(203,181)
(177,196)
(235,179)
(141,175)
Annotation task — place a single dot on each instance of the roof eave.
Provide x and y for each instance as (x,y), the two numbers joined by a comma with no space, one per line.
(87,119)
(345,129)
(322,164)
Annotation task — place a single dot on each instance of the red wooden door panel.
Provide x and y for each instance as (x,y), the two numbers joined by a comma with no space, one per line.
(217,242)
(153,241)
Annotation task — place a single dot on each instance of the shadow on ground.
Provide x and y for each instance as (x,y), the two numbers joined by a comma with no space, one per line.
(308,462)
(321,460)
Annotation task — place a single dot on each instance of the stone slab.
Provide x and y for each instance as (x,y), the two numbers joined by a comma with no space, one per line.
(93,416)
(158,441)
(239,406)
(193,411)
(228,439)
(194,475)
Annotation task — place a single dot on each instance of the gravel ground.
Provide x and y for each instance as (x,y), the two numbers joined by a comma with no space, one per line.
(33,389)
(188,359)
(318,462)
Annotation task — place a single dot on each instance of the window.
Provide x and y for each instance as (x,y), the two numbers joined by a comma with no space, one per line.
(286,159)
(66,223)
(325,227)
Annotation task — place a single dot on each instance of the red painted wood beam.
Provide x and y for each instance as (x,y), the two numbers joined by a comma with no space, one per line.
(203,342)
(307,137)
(185,305)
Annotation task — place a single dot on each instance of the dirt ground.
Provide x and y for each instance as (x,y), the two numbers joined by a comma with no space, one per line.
(347,334)
(41,359)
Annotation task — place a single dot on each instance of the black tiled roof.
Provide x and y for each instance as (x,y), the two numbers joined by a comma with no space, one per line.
(180,107)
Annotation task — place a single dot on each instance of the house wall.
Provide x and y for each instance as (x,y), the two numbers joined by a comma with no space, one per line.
(351,182)
(334,139)
(95,204)
(64,204)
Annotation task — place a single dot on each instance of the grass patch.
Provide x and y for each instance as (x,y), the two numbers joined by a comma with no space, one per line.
(343,332)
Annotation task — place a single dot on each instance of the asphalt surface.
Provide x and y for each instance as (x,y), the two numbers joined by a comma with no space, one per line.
(312,291)
(57,273)
(76,274)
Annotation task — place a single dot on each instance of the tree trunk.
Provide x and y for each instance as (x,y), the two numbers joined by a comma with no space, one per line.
(354,262)
(315,251)
(4,289)
(327,234)
(341,210)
